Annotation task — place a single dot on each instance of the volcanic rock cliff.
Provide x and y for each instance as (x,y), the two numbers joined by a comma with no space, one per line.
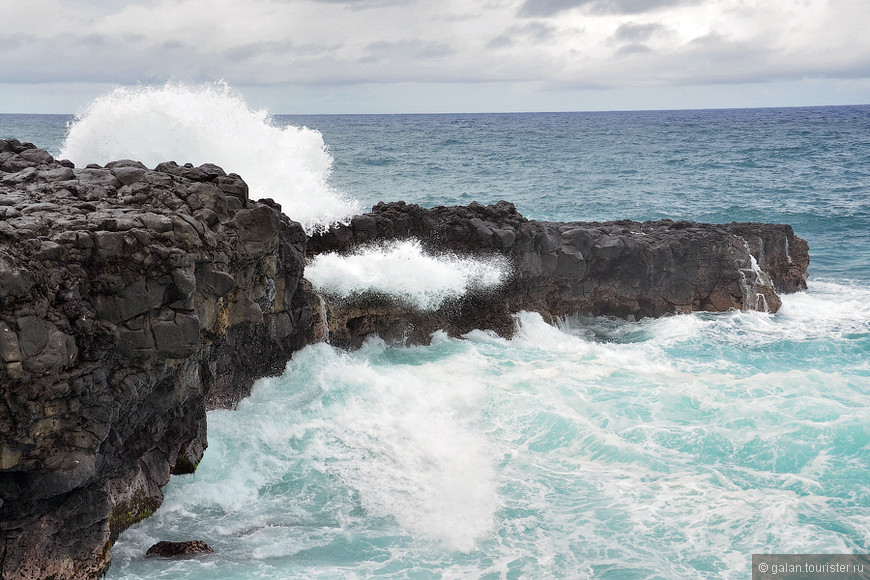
(130,301)
(133,299)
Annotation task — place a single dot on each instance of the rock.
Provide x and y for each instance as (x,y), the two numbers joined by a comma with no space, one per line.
(777,251)
(177,337)
(179,549)
(116,334)
(623,268)
(36,156)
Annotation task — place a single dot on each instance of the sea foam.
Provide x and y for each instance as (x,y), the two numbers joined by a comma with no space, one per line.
(550,453)
(404,271)
(211,124)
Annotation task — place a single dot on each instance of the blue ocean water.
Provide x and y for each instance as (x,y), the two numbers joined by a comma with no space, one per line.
(660,449)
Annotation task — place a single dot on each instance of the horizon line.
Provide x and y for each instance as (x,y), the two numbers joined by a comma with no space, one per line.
(526,112)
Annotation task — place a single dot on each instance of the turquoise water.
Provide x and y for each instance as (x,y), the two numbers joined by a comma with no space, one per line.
(660,449)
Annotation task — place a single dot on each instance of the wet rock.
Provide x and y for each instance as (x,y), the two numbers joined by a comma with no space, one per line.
(179,549)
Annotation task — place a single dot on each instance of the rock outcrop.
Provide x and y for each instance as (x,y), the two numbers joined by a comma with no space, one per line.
(179,549)
(623,268)
(130,301)
(133,299)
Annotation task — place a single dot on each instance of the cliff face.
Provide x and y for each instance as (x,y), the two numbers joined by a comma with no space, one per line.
(130,300)
(623,268)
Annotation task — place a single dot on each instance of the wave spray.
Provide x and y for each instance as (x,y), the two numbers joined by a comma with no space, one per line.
(212,124)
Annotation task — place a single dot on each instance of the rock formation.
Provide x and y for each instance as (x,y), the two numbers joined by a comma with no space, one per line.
(130,300)
(179,549)
(624,268)
(133,299)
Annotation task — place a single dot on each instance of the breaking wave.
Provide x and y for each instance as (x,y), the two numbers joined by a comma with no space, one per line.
(212,124)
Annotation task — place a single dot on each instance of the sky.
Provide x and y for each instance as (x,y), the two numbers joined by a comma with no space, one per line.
(424,56)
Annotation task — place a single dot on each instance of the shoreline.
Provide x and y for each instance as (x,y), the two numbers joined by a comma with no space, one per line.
(134,299)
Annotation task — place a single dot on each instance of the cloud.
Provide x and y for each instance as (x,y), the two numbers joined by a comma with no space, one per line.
(537,8)
(360,4)
(530,46)
(531,33)
(277,48)
(636,32)
(384,51)
(635,39)
(98,58)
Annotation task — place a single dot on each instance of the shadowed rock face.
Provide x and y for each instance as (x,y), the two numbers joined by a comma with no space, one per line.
(622,268)
(132,300)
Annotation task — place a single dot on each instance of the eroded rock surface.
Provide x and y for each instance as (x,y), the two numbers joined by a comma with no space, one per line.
(623,268)
(131,299)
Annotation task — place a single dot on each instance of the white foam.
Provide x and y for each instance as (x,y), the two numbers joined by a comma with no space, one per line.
(404,437)
(544,454)
(403,271)
(212,124)
(658,446)
(826,309)
(411,458)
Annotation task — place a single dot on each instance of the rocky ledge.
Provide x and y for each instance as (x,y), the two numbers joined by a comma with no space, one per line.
(133,299)
(623,268)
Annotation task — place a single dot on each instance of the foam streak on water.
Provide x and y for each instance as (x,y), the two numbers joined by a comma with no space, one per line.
(670,448)
(210,124)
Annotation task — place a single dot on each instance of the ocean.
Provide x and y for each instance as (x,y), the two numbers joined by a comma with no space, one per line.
(666,448)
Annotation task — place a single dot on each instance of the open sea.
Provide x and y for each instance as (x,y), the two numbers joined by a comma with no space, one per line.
(671,448)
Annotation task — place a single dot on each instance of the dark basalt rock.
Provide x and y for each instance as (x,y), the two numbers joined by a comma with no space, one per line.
(130,301)
(179,549)
(133,299)
(622,268)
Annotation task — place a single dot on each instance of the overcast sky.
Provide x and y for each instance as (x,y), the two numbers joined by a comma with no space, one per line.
(362,56)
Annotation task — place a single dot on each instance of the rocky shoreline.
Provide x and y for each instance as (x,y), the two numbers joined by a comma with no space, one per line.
(134,299)
(623,268)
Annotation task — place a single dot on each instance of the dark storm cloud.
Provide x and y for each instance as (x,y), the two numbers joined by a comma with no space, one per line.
(543,8)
